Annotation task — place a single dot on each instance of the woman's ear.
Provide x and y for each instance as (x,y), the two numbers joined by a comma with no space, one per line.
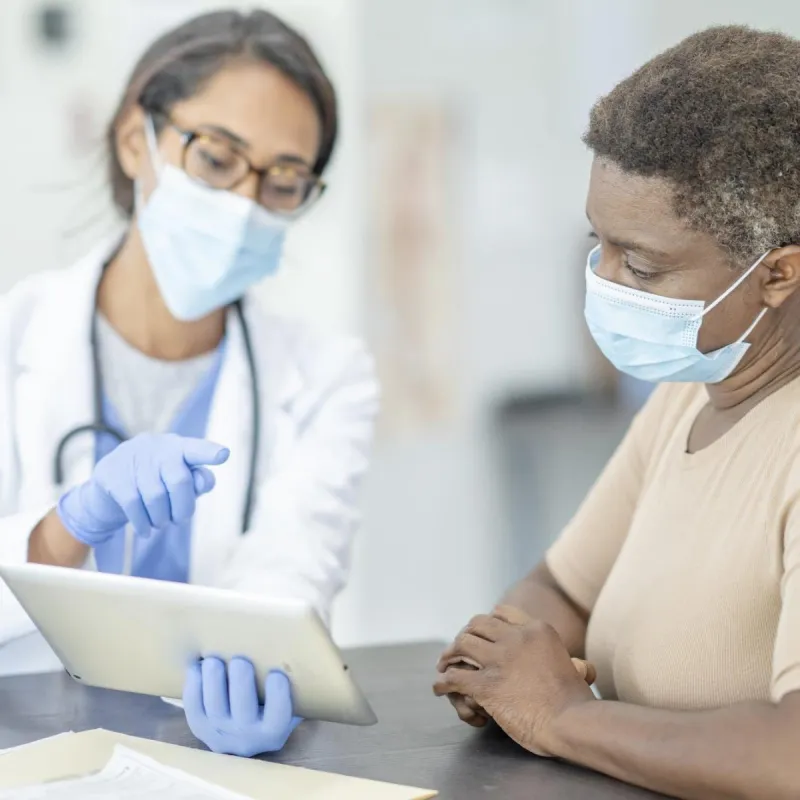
(131,143)
(784,275)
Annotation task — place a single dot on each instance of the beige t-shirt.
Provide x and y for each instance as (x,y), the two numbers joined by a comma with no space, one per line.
(690,563)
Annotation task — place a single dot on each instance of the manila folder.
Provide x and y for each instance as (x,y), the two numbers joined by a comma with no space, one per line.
(82,753)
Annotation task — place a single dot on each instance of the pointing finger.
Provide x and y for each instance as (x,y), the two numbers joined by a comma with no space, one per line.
(199,452)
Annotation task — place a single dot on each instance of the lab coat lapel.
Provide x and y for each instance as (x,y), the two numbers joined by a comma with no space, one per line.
(218,522)
(54,385)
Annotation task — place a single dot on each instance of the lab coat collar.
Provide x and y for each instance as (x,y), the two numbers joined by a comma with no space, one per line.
(63,315)
(281,380)
(54,387)
(218,523)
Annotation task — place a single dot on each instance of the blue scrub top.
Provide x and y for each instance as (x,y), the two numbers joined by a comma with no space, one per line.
(165,554)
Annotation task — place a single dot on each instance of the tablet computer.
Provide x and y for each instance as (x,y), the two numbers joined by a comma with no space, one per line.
(139,635)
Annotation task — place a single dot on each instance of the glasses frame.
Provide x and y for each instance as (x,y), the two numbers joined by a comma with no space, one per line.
(189,136)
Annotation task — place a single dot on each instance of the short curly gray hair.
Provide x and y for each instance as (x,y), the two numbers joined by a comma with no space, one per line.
(718,117)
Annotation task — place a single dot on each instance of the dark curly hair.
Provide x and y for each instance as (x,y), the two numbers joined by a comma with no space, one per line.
(717,117)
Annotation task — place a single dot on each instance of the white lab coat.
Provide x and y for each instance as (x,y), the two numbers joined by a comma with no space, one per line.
(319,398)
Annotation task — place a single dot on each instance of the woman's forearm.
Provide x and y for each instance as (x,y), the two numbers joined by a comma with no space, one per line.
(744,752)
(540,596)
(51,543)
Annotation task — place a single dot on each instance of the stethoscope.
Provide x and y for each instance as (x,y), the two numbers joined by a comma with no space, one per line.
(100,427)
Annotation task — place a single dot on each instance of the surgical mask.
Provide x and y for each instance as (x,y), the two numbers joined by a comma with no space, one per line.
(654,338)
(206,247)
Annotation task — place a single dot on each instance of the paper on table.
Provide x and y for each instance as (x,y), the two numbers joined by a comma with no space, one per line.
(127,776)
(173,701)
(81,753)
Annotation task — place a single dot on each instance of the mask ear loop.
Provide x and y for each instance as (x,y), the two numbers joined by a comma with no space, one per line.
(753,326)
(739,281)
(152,145)
(155,158)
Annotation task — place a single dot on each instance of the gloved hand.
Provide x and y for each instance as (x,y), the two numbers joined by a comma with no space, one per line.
(223,712)
(150,481)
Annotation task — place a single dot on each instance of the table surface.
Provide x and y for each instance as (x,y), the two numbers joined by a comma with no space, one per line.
(418,741)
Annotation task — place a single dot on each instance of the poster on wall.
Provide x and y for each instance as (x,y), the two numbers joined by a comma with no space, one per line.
(412,295)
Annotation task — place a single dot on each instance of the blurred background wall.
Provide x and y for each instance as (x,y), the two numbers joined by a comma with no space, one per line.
(453,238)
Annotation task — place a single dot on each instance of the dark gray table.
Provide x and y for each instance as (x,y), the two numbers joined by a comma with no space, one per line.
(418,741)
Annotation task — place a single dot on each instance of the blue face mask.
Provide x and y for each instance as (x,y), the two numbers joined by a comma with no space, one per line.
(206,247)
(654,338)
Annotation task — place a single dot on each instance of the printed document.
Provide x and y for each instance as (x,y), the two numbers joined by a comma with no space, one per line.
(127,776)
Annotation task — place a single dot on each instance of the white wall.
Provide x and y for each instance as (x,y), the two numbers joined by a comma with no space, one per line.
(47,189)
(433,550)
(672,22)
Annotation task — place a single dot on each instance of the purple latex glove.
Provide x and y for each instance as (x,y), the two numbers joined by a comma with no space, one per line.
(150,481)
(223,711)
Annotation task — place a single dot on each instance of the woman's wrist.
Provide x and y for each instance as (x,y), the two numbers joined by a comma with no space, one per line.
(51,543)
(568,730)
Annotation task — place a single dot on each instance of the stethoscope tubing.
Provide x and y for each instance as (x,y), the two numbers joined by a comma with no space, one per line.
(100,427)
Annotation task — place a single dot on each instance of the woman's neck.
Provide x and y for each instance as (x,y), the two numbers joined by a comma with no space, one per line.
(130,300)
(771,363)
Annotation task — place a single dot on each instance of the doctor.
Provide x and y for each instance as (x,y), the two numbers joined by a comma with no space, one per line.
(124,378)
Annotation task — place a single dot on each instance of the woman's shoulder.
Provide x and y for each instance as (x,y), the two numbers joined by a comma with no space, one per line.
(671,400)
(666,409)
(19,303)
(777,416)
(61,288)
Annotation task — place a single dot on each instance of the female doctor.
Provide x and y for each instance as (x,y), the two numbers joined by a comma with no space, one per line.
(124,379)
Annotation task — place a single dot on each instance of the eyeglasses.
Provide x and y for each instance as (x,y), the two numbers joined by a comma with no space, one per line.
(285,187)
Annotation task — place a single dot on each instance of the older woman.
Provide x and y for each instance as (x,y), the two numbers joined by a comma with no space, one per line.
(679,578)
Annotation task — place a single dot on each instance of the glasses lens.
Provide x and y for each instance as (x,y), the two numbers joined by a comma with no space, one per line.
(213,161)
(287,188)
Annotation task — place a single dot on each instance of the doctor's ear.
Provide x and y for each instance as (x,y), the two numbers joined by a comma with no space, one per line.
(131,143)
(784,275)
